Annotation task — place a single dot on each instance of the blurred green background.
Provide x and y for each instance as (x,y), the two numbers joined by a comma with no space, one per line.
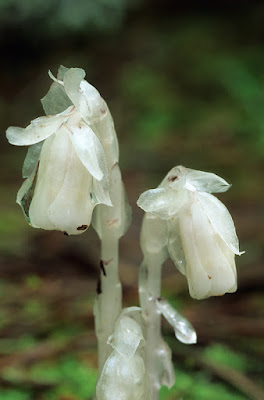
(185,85)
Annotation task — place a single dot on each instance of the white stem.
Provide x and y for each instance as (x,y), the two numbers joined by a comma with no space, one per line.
(157,353)
(149,291)
(110,223)
(107,303)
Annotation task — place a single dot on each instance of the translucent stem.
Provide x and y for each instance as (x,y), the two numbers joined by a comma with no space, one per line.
(110,223)
(108,302)
(149,291)
(157,353)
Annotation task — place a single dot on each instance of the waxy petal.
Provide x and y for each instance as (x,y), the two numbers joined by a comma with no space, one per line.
(198,281)
(56,100)
(105,130)
(220,219)
(61,198)
(31,159)
(127,337)
(25,193)
(39,129)
(165,203)
(89,149)
(175,178)
(72,79)
(61,72)
(84,96)
(175,247)
(215,259)
(206,181)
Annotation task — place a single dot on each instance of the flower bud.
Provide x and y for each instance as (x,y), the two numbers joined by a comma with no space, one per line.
(124,374)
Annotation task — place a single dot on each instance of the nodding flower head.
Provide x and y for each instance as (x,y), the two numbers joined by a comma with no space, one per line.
(201,236)
(66,165)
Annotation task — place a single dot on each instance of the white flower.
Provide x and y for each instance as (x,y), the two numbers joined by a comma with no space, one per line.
(201,237)
(71,152)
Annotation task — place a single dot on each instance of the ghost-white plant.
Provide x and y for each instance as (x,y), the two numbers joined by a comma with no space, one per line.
(72,176)
(72,179)
(183,221)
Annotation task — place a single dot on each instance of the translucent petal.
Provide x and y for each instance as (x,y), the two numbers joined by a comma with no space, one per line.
(54,157)
(61,198)
(61,72)
(31,159)
(175,247)
(100,192)
(184,331)
(89,149)
(209,266)
(123,379)
(165,203)
(175,178)
(39,129)
(215,260)
(25,193)
(220,219)
(126,337)
(72,79)
(91,105)
(105,130)
(206,181)
(198,281)
(84,96)
(56,100)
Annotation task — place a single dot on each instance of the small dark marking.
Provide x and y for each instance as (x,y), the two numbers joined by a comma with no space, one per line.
(173,178)
(209,276)
(102,267)
(65,233)
(99,287)
(159,298)
(82,227)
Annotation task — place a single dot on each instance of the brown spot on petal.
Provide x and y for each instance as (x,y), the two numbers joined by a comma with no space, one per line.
(82,227)
(209,277)
(173,178)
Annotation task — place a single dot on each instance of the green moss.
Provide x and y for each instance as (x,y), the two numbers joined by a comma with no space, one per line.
(224,355)
(196,386)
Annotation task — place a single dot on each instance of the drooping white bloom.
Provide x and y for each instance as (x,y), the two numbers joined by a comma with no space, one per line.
(71,152)
(201,237)
(124,375)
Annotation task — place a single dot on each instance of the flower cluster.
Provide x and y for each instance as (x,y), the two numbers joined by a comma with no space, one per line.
(201,237)
(72,150)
